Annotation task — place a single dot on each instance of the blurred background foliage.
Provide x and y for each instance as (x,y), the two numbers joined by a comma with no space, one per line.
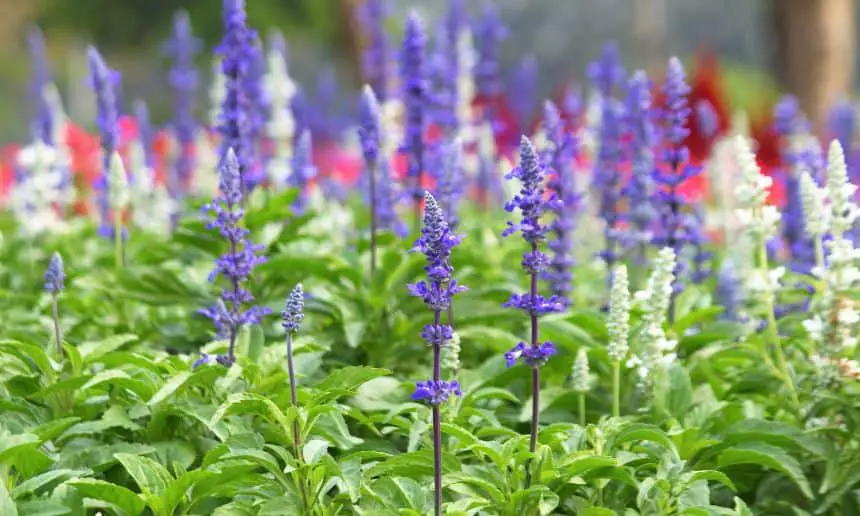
(564,35)
(129,24)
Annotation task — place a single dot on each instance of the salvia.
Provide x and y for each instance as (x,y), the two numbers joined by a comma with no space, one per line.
(235,267)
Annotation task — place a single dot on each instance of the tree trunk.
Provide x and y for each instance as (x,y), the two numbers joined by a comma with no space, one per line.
(815,51)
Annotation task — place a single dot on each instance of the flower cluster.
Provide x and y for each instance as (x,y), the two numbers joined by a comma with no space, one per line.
(656,349)
(55,276)
(294,310)
(836,315)
(280,90)
(755,216)
(415,100)
(679,227)
(639,190)
(532,356)
(237,54)
(436,392)
(452,181)
(103,83)
(560,153)
(798,153)
(606,74)
(236,266)
(436,243)
(619,315)
(580,378)
(377,53)
(182,77)
(303,170)
(533,202)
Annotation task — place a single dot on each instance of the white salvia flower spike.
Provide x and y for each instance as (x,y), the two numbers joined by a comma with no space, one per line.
(619,315)
(841,192)
(579,379)
(118,194)
(814,212)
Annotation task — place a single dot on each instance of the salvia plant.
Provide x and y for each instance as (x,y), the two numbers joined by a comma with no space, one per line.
(611,390)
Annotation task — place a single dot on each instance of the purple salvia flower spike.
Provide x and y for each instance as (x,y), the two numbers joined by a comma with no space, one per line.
(43,123)
(55,281)
(532,202)
(107,120)
(792,127)
(369,135)
(606,74)
(146,135)
(183,80)
(560,154)
(414,85)
(679,227)
(303,170)
(237,56)
(229,313)
(639,191)
(523,84)
(452,181)
(707,119)
(436,242)
(377,55)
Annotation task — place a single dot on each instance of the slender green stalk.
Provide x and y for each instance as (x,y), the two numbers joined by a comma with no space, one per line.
(772,330)
(581,409)
(616,389)
(58,332)
(117,239)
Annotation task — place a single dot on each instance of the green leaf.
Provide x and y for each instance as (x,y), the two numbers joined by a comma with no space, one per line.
(92,350)
(713,475)
(696,317)
(673,391)
(255,404)
(151,477)
(350,378)
(120,379)
(11,446)
(27,353)
(169,387)
(46,481)
(488,337)
(251,342)
(775,433)
(486,488)
(768,456)
(415,464)
(7,506)
(642,432)
(118,496)
(581,465)
(314,450)
(597,511)
(52,429)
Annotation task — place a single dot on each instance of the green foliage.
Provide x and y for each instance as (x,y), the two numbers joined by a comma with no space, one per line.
(123,424)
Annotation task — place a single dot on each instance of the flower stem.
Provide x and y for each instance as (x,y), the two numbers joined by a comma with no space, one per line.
(372,178)
(535,370)
(773,332)
(616,389)
(297,437)
(58,332)
(582,409)
(117,239)
(437,424)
